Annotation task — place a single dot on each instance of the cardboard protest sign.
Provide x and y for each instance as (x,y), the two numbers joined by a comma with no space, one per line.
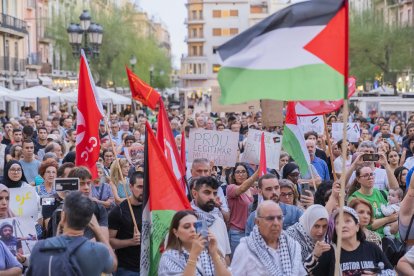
(18,234)
(273,145)
(218,146)
(135,154)
(311,123)
(216,106)
(272,113)
(352,132)
(23,202)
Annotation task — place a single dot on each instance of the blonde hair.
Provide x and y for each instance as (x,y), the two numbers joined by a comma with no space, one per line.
(116,172)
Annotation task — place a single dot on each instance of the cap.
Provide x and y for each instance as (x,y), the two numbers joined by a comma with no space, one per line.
(54,137)
(349,211)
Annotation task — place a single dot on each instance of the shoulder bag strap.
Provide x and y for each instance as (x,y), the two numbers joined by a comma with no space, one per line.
(409,228)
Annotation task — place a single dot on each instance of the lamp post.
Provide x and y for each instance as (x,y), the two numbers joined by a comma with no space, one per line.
(89,33)
(132,62)
(152,75)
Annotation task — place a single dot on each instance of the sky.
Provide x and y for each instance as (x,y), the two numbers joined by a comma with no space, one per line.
(173,14)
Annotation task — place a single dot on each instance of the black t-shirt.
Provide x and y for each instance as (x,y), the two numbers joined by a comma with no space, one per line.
(120,219)
(6,141)
(365,258)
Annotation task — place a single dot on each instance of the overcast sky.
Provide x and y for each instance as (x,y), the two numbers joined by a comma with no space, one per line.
(173,14)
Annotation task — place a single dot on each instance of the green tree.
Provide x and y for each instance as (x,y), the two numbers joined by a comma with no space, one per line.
(379,49)
(120,41)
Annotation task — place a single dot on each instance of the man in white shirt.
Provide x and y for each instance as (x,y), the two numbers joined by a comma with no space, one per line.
(268,251)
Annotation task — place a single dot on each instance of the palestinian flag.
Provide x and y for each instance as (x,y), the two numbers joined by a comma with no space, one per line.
(298,53)
(163,196)
(294,141)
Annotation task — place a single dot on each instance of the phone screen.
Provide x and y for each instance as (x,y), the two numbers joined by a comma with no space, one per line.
(370,157)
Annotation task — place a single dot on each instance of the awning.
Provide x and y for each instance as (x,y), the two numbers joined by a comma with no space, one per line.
(32,82)
(45,80)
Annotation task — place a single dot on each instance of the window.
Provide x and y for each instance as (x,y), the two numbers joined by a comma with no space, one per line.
(193,32)
(234,13)
(193,14)
(216,13)
(194,50)
(200,50)
(216,32)
(234,31)
(214,49)
(216,68)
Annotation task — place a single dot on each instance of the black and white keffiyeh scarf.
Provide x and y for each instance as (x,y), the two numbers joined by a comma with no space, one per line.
(208,217)
(174,262)
(258,247)
(298,233)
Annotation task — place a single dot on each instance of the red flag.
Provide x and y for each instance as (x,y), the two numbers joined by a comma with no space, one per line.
(141,91)
(90,113)
(262,164)
(183,162)
(311,108)
(166,140)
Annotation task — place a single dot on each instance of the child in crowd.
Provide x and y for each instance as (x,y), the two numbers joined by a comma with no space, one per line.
(394,199)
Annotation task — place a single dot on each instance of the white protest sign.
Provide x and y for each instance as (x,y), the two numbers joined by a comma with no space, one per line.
(218,146)
(311,123)
(23,202)
(352,132)
(273,146)
(22,237)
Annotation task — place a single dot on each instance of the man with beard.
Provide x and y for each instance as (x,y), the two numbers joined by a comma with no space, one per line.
(125,239)
(204,192)
(269,189)
(14,245)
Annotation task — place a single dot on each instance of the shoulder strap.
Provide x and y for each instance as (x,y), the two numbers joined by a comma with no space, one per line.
(384,195)
(409,228)
(74,245)
(101,191)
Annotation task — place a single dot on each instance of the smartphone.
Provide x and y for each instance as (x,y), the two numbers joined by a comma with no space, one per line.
(370,157)
(66,184)
(386,136)
(304,187)
(201,228)
(47,201)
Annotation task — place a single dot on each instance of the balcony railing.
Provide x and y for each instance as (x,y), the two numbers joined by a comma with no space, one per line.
(12,64)
(13,23)
(34,59)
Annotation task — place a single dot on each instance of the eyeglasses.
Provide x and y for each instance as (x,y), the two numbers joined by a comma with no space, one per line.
(240,172)
(368,175)
(290,194)
(16,170)
(273,218)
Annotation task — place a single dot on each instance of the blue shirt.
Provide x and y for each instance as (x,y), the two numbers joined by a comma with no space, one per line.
(291,215)
(321,168)
(7,260)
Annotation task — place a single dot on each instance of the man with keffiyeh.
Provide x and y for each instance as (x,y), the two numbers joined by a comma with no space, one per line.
(268,250)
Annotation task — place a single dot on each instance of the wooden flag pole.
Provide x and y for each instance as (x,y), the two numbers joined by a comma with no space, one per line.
(329,147)
(123,181)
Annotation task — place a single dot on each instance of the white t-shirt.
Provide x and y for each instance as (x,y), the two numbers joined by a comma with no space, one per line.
(380,181)
(338,163)
(409,163)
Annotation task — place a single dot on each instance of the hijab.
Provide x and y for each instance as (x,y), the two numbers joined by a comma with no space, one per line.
(7,181)
(288,169)
(9,213)
(311,216)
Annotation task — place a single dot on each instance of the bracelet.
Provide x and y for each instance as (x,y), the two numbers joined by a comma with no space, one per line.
(191,262)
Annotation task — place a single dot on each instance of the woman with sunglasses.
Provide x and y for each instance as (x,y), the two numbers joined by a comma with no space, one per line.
(239,197)
(363,187)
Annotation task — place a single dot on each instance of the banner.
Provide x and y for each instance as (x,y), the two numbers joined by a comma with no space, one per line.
(135,154)
(18,234)
(272,113)
(353,132)
(23,202)
(218,146)
(311,123)
(216,106)
(273,145)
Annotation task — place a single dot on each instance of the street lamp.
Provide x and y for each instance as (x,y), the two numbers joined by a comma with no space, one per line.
(91,33)
(152,75)
(133,61)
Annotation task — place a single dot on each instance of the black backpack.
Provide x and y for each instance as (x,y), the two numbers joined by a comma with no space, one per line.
(51,260)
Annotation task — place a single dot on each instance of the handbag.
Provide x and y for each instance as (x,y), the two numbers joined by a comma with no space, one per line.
(395,249)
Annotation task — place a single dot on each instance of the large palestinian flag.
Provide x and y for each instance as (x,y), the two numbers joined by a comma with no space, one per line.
(163,197)
(298,53)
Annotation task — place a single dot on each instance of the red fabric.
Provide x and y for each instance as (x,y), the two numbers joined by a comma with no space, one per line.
(88,117)
(166,192)
(262,164)
(183,161)
(141,91)
(291,118)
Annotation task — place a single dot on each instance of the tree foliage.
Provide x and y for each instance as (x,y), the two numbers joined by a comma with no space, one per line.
(121,40)
(379,49)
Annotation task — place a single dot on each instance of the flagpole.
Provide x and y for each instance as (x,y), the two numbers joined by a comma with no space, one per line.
(344,146)
(121,174)
(329,147)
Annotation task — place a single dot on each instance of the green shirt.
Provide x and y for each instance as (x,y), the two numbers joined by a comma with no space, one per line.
(376,199)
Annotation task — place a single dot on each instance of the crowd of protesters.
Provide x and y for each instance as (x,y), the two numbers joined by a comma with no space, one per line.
(268,225)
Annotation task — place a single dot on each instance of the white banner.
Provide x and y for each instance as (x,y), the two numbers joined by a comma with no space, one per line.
(23,202)
(352,132)
(273,146)
(218,146)
(311,123)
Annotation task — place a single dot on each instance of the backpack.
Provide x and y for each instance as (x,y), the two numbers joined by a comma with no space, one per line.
(51,260)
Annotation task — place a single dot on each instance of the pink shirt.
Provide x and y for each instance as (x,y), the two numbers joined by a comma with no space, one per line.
(239,207)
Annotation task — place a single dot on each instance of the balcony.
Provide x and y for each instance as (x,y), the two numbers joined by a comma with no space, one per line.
(194,20)
(13,23)
(12,64)
(194,39)
(34,59)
